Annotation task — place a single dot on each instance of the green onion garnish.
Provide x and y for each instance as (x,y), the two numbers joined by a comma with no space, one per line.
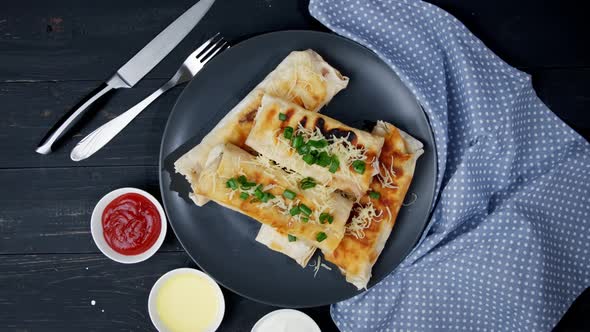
(232,183)
(330,219)
(303,149)
(323,159)
(325,217)
(244,196)
(258,192)
(309,159)
(305,209)
(318,144)
(304,219)
(374,195)
(294,211)
(289,194)
(266,197)
(282,116)
(334,164)
(288,132)
(297,141)
(358,166)
(242,179)
(307,183)
(321,236)
(247,185)
(291,238)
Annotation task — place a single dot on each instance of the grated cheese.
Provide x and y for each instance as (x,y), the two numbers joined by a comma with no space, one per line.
(364,216)
(326,267)
(386,176)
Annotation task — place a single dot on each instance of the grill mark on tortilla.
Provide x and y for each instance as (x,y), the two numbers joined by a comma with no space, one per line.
(249,117)
(303,121)
(335,132)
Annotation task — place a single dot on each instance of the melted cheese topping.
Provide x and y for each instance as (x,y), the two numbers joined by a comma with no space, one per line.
(341,147)
(364,216)
(320,195)
(386,176)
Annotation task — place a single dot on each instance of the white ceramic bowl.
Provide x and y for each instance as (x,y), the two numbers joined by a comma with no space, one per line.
(152,298)
(295,318)
(97,231)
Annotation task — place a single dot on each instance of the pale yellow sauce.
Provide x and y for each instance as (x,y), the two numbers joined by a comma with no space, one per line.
(187,303)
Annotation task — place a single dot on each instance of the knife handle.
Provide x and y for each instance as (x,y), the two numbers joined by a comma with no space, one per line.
(69,119)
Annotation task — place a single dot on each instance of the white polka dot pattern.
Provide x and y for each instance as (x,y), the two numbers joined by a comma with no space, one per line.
(507,248)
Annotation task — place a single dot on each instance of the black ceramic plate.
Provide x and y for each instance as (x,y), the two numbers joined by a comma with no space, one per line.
(221,241)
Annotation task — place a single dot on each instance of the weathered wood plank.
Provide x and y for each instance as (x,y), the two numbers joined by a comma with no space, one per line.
(54,293)
(528,33)
(566,92)
(48,210)
(22,124)
(61,40)
(29,109)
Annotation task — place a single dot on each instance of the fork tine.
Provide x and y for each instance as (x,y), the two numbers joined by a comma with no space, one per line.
(203,46)
(209,50)
(210,56)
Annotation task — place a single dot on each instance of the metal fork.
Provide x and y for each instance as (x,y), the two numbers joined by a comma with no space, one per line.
(191,66)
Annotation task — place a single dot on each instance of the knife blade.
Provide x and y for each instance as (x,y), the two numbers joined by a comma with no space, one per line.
(132,71)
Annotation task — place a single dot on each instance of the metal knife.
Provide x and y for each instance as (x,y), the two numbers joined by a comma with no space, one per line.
(133,71)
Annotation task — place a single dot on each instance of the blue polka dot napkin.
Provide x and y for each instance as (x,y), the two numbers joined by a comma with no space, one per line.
(508,246)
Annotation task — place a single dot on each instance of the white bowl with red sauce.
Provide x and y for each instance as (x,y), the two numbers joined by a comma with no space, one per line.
(128,225)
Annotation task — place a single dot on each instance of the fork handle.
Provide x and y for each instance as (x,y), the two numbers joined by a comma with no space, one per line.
(105,133)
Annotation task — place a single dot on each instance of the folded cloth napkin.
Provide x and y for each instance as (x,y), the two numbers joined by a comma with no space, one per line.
(508,246)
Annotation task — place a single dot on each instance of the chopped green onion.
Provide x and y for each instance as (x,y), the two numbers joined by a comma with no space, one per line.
(232,183)
(304,219)
(307,183)
(294,211)
(309,159)
(321,236)
(330,219)
(314,153)
(374,195)
(244,196)
(282,116)
(318,144)
(291,238)
(359,166)
(258,192)
(325,217)
(289,194)
(266,197)
(247,185)
(334,164)
(305,209)
(297,141)
(242,179)
(288,132)
(323,159)
(304,149)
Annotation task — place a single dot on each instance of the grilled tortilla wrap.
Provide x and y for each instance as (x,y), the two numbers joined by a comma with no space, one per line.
(303,77)
(258,188)
(282,130)
(372,218)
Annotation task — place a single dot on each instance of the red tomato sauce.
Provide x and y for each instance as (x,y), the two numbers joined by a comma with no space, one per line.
(131,224)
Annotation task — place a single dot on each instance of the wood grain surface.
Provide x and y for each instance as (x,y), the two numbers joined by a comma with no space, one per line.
(52,53)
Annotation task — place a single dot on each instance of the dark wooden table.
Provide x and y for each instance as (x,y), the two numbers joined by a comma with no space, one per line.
(54,52)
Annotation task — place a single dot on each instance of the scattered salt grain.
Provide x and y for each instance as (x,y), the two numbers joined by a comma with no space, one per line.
(92,302)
